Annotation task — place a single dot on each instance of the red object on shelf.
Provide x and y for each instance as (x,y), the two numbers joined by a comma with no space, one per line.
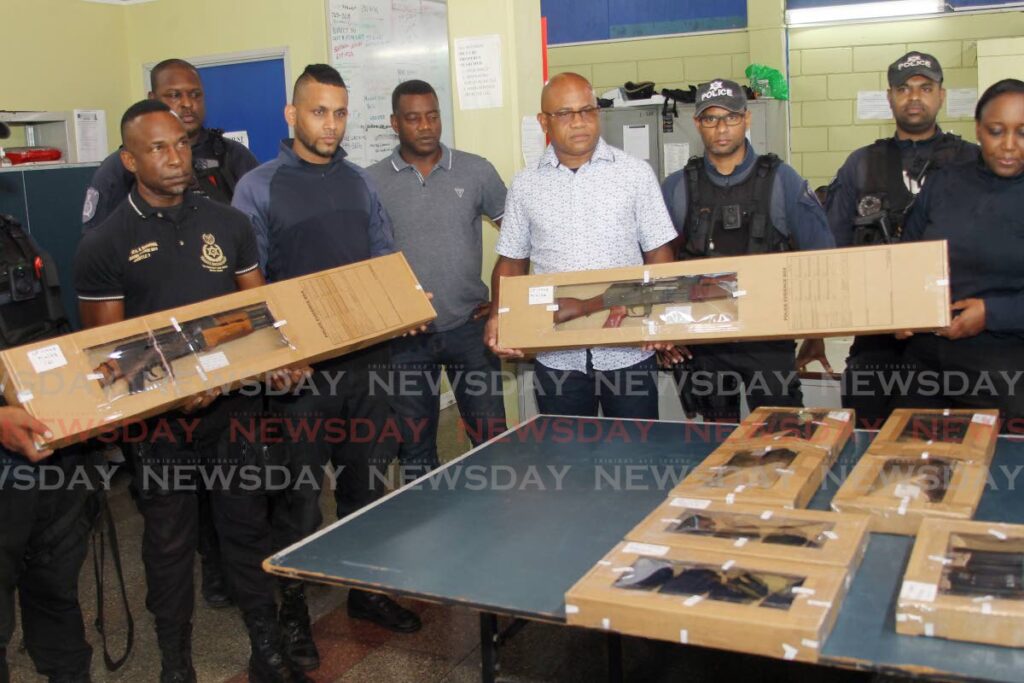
(24,155)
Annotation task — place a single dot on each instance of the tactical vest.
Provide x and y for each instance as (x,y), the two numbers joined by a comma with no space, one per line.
(885,187)
(213,177)
(731,221)
(30,305)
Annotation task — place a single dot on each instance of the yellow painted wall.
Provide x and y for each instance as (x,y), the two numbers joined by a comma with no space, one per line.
(64,54)
(999,58)
(200,28)
(828,65)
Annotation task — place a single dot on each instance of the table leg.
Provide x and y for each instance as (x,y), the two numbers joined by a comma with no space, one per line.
(488,647)
(614,643)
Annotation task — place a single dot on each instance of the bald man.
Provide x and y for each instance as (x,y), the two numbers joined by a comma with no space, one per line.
(313,210)
(586,205)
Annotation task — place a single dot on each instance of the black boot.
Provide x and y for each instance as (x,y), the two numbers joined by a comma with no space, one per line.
(5,673)
(176,655)
(295,627)
(215,587)
(382,610)
(268,662)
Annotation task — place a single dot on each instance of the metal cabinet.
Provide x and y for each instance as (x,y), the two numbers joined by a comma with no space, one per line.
(668,150)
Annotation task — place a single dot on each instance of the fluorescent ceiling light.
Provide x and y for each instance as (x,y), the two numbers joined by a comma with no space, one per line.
(867,10)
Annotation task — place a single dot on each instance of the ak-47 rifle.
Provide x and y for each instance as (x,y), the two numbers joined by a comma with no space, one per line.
(624,299)
(141,359)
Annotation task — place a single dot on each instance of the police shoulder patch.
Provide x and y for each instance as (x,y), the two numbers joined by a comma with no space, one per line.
(92,199)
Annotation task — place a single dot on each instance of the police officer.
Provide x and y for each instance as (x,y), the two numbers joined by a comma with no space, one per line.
(978,208)
(733,201)
(313,210)
(44,529)
(165,247)
(219,163)
(870,198)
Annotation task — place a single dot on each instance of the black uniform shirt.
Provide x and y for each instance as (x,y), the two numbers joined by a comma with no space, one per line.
(981,215)
(158,258)
(112,181)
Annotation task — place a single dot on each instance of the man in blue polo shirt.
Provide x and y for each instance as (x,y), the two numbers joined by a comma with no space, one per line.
(436,197)
(313,210)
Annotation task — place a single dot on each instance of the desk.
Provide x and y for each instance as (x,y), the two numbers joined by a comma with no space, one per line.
(509,527)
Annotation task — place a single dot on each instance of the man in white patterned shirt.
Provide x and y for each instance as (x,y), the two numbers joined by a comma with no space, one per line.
(585,206)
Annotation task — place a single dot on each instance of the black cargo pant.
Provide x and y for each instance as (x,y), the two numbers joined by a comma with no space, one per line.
(45,525)
(712,382)
(176,456)
(871,380)
(985,371)
(339,422)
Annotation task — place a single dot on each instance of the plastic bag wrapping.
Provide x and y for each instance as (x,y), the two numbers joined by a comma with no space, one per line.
(690,303)
(968,435)
(823,427)
(767,82)
(156,359)
(783,473)
(965,581)
(900,488)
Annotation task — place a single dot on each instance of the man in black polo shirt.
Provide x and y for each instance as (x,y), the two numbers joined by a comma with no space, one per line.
(161,248)
(217,166)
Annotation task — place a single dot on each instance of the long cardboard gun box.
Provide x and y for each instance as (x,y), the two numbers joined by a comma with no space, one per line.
(90,382)
(824,293)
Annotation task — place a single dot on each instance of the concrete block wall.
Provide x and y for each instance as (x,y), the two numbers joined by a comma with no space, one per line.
(829,65)
(675,62)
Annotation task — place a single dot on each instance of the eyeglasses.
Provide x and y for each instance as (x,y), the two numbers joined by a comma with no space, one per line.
(567,115)
(711,121)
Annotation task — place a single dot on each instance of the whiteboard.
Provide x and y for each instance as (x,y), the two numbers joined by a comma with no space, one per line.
(377,44)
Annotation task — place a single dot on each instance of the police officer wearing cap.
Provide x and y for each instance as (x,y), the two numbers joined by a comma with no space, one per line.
(868,203)
(978,208)
(733,201)
(165,247)
(218,163)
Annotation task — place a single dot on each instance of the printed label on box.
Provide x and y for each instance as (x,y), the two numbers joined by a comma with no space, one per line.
(983,419)
(214,361)
(645,549)
(695,503)
(47,358)
(918,591)
(542,295)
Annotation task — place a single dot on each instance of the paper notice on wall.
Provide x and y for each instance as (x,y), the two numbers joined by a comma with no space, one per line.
(961,102)
(533,141)
(636,140)
(675,156)
(90,135)
(239,136)
(873,104)
(478,72)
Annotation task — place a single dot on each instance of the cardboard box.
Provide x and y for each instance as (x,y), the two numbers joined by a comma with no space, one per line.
(822,427)
(797,536)
(92,381)
(784,474)
(963,434)
(963,582)
(719,600)
(832,292)
(900,490)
